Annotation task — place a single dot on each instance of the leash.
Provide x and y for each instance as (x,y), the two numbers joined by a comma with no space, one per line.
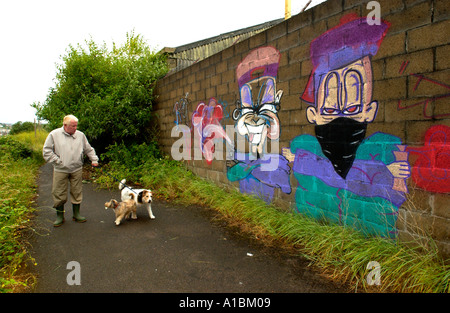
(125,186)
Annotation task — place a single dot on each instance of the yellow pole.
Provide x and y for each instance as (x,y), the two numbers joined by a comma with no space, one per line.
(287,9)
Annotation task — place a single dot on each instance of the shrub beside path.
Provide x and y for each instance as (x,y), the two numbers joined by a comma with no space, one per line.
(180,251)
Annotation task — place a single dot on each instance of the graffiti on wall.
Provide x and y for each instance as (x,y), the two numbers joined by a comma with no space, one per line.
(421,80)
(227,109)
(180,108)
(256,119)
(431,171)
(207,128)
(343,176)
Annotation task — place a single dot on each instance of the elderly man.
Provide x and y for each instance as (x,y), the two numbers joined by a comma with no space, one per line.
(65,148)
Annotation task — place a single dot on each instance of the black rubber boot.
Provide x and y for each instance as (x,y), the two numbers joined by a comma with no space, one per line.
(76,214)
(59,216)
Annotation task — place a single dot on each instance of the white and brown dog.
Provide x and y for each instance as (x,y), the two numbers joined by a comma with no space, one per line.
(144,196)
(123,209)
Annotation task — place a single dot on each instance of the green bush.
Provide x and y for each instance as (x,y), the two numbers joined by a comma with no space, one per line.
(122,161)
(20,127)
(132,156)
(14,148)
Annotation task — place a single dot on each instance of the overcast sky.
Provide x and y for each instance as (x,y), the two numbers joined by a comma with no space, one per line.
(35,34)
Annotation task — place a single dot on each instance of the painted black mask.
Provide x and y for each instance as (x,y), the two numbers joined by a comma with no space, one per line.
(339,140)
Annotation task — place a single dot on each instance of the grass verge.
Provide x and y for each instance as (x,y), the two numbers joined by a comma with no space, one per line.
(341,253)
(20,159)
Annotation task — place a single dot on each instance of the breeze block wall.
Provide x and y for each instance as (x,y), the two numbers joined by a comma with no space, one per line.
(340,113)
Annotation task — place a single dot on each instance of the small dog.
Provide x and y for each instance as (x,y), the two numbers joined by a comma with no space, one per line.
(122,209)
(144,196)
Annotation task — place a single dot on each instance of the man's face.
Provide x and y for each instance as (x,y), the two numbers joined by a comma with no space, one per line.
(71,127)
(345,92)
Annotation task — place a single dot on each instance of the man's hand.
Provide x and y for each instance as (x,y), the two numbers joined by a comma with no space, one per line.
(95,164)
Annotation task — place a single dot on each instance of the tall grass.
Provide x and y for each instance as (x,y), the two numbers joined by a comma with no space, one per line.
(20,159)
(342,253)
(32,140)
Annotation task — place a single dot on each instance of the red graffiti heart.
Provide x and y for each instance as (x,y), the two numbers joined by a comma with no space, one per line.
(431,171)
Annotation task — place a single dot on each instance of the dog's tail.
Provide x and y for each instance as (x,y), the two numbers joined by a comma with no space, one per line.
(122,184)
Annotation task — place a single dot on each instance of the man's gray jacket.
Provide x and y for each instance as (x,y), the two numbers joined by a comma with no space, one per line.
(66,152)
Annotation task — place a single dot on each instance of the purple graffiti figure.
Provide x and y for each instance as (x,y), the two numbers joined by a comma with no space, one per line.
(256,118)
(343,176)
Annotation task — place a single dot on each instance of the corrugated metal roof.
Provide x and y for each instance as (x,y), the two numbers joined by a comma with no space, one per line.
(186,55)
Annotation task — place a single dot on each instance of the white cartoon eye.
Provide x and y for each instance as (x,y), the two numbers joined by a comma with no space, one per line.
(268,107)
(246,110)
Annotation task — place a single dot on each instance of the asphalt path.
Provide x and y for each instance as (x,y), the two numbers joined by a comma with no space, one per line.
(181,251)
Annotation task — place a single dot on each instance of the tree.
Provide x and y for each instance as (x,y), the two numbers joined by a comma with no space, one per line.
(20,127)
(111,92)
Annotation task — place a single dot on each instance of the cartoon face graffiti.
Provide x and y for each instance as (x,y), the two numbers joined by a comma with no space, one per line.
(259,172)
(257,118)
(345,92)
(343,108)
(343,176)
(340,89)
